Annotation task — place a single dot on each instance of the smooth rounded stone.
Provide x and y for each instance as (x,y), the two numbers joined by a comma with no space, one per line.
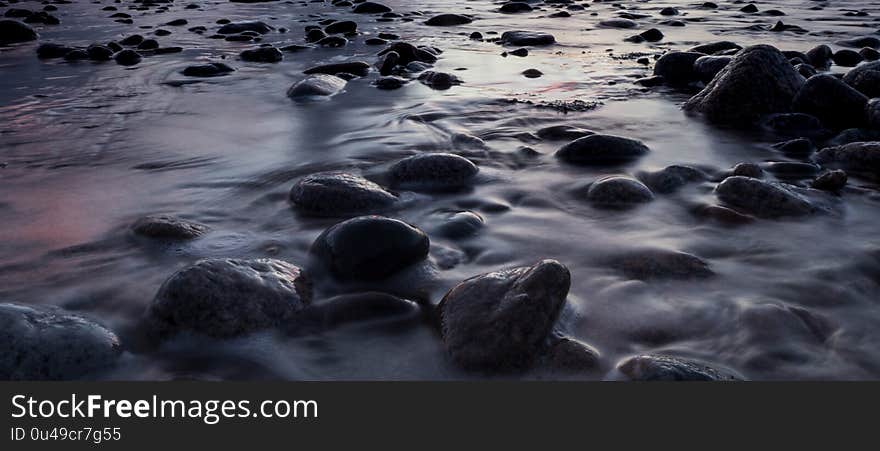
(371,8)
(601,150)
(359,68)
(847,58)
(389,83)
(831,100)
(439,80)
(833,181)
(723,215)
(707,67)
(677,68)
(515,7)
(225,298)
(794,124)
(649,264)
(570,355)
(432,171)
(499,321)
(669,11)
(177,23)
(38,343)
(461,224)
(343,26)
(712,48)
(51,50)
(315,35)
(562,133)
(532,73)
(467,141)
(670,178)
(76,55)
(132,40)
(369,308)
(618,23)
(387,63)
(748,170)
(792,169)
(872,113)
(333,42)
(761,198)
(262,55)
(870,54)
(527,38)
(805,70)
(618,191)
(375,41)
(127,57)
(339,194)
(99,53)
(820,56)
(370,247)
(667,368)
(410,53)
(758,81)
(795,147)
(650,82)
(448,20)
(750,8)
(856,157)
(115,46)
(865,78)
(319,85)
(859,42)
(207,70)
(521,52)
(240,27)
(13,31)
(652,35)
(148,44)
(168,227)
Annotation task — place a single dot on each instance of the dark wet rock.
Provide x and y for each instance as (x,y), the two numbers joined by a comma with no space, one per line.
(42,17)
(856,157)
(750,8)
(646,264)
(13,31)
(168,227)
(371,8)
(859,42)
(618,23)
(177,23)
(722,215)
(359,68)
(805,70)
(51,50)
(262,55)
(432,171)
(795,147)
(521,52)
(872,113)
(794,124)
(715,47)
(132,40)
(127,57)
(601,150)
(833,181)
(339,194)
(831,100)
(562,133)
(99,53)
(388,62)
(707,67)
(758,81)
(669,11)
(865,78)
(370,247)
(618,191)
(363,309)
(532,73)
(467,141)
(343,26)
(677,68)
(527,38)
(461,224)
(781,26)
(409,53)
(333,42)
(148,44)
(560,14)
(847,58)
(869,54)
(389,83)
(50,344)
(439,80)
(667,368)
(761,198)
(748,170)
(315,35)
(239,27)
(792,169)
(820,56)
(651,35)
(499,321)
(115,46)
(207,70)
(650,82)
(515,7)
(318,85)
(670,178)
(570,355)
(229,297)
(448,20)
(375,41)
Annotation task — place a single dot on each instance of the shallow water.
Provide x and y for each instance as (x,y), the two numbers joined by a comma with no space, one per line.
(85,149)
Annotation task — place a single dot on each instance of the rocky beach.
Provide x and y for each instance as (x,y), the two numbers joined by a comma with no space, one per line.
(466,189)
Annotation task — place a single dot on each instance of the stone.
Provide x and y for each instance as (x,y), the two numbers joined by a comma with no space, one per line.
(225,298)
(670,178)
(856,157)
(343,26)
(647,264)
(562,133)
(339,194)
(432,172)
(371,8)
(707,67)
(448,20)
(599,149)
(262,55)
(618,191)
(499,321)
(13,31)
(358,68)
(389,83)
(168,227)
(757,82)
(515,7)
(618,23)
(127,57)
(748,170)
(207,70)
(677,68)
(715,47)
(761,198)
(410,53)
(833,181)
(318,85)
(865,78)
(847,57)
(99,53)
(820,56)
(439,80)
(370,247)
(461,224)
(834,102)
(239,27)
(667,368)
(527,38)
(51,50)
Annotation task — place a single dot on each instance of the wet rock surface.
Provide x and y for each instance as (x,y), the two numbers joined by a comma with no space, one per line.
(433,171)
(667,368)
(602,150)
(339,194)
(168,227)
(761,198)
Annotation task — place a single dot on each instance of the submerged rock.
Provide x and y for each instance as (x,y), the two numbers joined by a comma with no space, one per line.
(339,194)
(670,178)
(371,8)
(48,344)
(499,321)
(359,68)
(830,181)
(758,81)
(447,20)
(562,132)
(677,68)
(240,27)
(168,227)
(660,264)
(439,80)
(601,150)
(857,157)
(262,55)
(831,100)
(128,57)
(433,171)
(527,38)
(666,368)
(13,31)
(370,247)
(761,198)
(319,85)
(618,191)
(207,70)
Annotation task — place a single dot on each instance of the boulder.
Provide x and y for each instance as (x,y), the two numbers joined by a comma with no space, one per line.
(762,198)
(831,100)
(677,68)
(13,31)
(856,157)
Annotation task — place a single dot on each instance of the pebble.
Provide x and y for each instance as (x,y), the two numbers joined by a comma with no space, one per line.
(618,191)
(432,172)
(649,264)
(339,194)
